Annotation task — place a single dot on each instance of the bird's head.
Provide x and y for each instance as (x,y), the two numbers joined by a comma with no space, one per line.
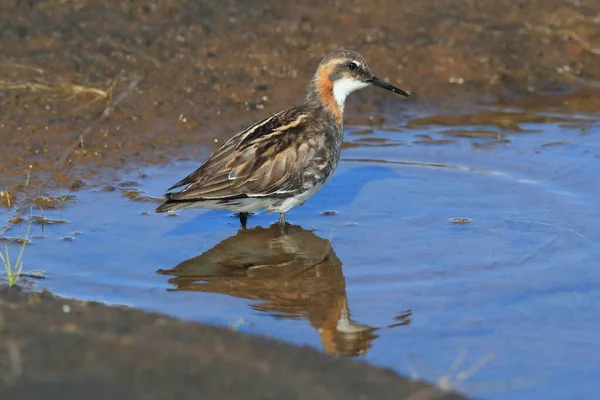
(340,73)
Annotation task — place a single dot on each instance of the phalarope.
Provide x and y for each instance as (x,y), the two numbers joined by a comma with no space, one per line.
(280,162)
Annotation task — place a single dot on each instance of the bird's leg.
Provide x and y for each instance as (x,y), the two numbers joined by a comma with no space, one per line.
(282,223)
(243,219)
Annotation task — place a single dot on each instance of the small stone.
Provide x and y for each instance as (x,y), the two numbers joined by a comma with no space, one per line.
(129,183)
(460,221)
(76,185)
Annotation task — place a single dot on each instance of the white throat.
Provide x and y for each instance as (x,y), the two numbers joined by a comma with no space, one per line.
(343,87)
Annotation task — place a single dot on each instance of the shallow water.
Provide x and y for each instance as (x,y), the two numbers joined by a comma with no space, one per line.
(439,239)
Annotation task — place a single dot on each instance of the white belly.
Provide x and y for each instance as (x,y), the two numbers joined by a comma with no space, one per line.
(254,204)
(292,202)
(239,205)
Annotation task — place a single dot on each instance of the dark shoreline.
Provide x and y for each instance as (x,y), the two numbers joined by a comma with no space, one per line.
(60,348)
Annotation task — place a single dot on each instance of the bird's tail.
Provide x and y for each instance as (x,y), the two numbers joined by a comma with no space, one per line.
(172,205)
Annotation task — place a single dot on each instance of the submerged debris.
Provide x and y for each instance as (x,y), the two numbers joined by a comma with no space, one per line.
(136,195)
(52,202)
(7,199)
(16,240)
(45,221)
(460,221)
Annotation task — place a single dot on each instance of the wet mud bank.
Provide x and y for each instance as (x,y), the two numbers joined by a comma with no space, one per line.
(96,84)
(68,349)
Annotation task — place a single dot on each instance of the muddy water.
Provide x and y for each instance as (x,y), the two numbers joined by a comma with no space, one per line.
(444,245)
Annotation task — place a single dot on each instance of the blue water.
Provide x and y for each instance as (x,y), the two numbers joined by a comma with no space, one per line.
(516,288)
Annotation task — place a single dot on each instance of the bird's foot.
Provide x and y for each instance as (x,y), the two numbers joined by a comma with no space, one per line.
(243,219)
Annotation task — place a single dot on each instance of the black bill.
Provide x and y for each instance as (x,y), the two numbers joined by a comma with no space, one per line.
(378,82)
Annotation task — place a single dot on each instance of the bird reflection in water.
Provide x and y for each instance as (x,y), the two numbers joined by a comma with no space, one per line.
(296,275)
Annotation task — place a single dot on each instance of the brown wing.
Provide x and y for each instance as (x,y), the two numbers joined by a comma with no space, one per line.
(265,159)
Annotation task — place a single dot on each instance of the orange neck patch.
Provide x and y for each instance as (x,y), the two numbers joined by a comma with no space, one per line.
(325,91)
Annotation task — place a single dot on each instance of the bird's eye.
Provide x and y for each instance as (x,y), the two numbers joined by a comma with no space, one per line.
(352,66)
